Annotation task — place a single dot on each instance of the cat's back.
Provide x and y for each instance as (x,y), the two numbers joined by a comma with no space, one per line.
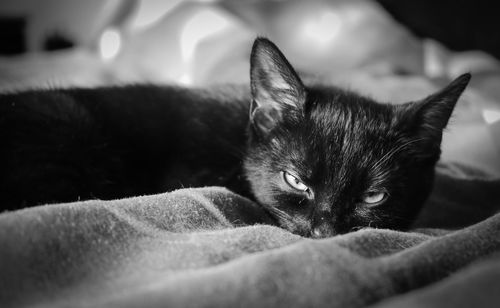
(131,106)
(132,114)
(68,144)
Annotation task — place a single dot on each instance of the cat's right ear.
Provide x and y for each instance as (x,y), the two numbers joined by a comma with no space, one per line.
(430,116)
(275,86)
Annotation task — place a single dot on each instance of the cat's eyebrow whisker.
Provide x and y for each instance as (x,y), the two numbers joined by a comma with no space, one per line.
(393,152)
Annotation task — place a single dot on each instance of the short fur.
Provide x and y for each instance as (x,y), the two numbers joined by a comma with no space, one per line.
(70,144)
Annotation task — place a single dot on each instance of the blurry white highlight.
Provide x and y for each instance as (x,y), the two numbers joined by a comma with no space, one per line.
(151,11)
(322,29)
(110,44)
(199,27)
(185,79)
(491,116)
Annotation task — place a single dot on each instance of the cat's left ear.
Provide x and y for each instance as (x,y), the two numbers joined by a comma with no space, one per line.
(431,115)
(275,86)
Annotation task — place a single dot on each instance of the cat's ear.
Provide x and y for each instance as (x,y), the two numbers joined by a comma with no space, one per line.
(431,115)
(275,86)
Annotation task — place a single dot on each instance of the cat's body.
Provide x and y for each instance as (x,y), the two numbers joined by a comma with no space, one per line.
(75,144)
(321,160)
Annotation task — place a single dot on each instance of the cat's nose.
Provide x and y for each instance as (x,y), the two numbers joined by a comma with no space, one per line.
(321,231)
(322,225)
(316,233)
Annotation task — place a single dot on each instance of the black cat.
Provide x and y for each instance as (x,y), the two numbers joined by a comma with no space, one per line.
(321,160)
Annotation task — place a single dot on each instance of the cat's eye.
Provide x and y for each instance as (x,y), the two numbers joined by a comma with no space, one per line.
(372,198)
(294,182)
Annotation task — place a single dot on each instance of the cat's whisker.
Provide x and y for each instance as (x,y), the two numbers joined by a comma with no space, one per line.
(283,217)
(393,152)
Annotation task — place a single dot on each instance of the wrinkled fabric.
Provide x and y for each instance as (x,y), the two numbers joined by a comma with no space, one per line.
(208,247)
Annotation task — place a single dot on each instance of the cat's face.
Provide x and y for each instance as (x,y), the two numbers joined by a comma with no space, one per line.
(325,161)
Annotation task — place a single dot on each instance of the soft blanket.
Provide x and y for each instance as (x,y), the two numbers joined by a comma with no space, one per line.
(208,247)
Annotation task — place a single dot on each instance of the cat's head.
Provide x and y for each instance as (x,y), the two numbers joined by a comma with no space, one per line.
(325,161)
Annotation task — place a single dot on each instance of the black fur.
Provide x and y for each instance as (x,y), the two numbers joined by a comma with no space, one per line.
(76,144)
(65,145)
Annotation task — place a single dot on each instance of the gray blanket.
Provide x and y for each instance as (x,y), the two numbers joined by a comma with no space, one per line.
(208,247)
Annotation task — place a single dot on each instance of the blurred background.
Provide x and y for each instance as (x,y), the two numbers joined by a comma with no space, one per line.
(394,51)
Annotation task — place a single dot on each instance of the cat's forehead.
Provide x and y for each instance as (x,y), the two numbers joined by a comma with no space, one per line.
(340,131)
(338,126)
(334,111)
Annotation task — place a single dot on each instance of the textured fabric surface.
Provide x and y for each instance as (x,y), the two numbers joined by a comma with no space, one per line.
(208,247)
